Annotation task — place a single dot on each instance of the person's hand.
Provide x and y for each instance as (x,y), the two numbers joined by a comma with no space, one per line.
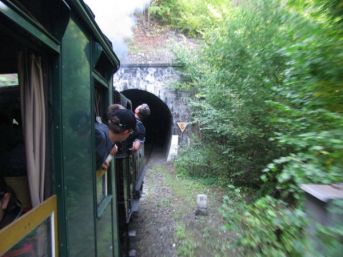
(135,146)
(114,150)
(5,200)
(109,158)
(104,166)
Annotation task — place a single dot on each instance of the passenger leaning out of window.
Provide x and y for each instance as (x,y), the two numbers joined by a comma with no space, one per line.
(121,124)
(138,137)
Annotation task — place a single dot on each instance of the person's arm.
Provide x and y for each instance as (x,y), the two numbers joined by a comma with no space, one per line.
(109,158)
(135,145)
(5,200)
(139,136)
(114,150)
(104,166)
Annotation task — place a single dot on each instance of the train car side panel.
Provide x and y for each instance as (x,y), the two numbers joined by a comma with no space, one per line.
(77,142)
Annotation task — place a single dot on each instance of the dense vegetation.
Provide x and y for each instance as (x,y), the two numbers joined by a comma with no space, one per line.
(269,107)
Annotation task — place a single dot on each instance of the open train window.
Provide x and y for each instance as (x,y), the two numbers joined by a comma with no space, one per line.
(24,172)
(100,102)
(23,125)
(13,164)
(103,182)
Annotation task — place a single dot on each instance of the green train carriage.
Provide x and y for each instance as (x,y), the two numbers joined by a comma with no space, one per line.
(56,70)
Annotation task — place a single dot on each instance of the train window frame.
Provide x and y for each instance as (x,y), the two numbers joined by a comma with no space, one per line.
(23,226)
(28,25)
(107,197)
(102,189)
(103,195)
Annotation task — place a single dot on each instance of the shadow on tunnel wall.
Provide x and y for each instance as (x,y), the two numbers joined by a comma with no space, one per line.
(158,125)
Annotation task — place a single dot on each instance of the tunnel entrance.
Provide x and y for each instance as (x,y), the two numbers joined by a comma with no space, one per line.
(158,125)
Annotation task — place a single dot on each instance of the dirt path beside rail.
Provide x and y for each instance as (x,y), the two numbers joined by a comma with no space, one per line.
(154,223)
(166,225)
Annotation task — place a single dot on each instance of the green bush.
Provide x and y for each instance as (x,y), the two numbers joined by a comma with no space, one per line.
(200,161)
(265,228)
(309,104)
(164,10)
(193,17)
(235,75)
(269,82)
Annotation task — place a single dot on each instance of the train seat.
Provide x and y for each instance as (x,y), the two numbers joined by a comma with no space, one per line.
(20,187)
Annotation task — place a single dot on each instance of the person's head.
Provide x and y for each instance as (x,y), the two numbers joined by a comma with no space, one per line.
(111,109)
(121,124)
(142,111)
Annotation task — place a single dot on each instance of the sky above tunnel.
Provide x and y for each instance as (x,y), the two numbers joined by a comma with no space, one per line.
(116,20)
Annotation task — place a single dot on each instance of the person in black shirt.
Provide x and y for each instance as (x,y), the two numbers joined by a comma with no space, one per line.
(138,137)
(121,124)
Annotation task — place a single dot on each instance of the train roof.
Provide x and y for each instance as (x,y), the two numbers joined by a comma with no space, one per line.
(88,17)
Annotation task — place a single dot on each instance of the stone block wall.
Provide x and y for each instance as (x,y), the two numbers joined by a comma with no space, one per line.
(158,79)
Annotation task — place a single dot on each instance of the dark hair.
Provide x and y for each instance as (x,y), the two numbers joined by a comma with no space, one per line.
(111,109)
(121,120)
(143,111)
(114,126)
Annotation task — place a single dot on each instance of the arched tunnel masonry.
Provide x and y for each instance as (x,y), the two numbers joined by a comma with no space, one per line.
(152,83)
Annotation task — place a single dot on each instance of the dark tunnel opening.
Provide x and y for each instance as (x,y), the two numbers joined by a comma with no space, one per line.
(158,125)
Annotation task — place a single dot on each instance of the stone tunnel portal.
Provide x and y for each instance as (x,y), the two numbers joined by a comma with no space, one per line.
(158,125)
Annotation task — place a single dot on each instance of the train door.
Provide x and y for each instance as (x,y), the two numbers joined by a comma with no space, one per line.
(28,209)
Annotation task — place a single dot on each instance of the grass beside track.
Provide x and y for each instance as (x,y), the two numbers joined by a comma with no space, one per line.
(194,235)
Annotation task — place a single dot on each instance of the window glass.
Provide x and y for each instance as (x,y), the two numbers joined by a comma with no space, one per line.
(37,243)
(7,80)
(101,187)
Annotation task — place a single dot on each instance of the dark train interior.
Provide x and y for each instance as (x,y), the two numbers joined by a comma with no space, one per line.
(10,113)
(13,172)
(158,125)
